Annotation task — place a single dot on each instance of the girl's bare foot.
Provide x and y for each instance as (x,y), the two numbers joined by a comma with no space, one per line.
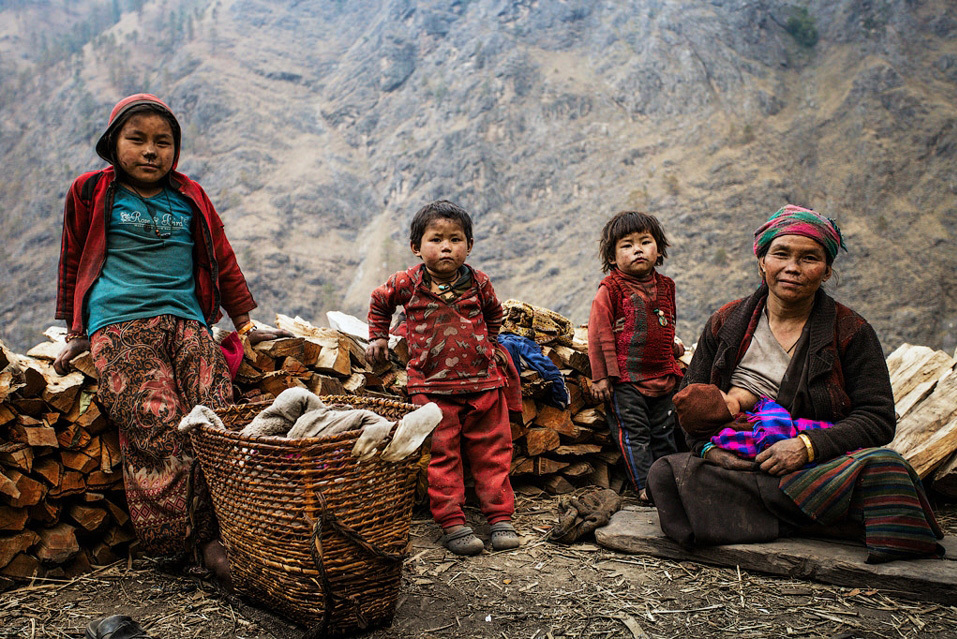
(214,556)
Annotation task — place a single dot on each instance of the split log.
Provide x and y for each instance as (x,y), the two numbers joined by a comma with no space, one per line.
(23,566)
(574,359)
(590,417)
(13,545)
(89,518)
(49,469)
(12,518)
(16,455)
(540,440)
(30,490)
(578,449)
(558,485)
(92,420)
(46,512)
(8,487)
(73,437)
(325,385)
(578,469)
(556,419)
(57,545)
(928,434)
(32,432)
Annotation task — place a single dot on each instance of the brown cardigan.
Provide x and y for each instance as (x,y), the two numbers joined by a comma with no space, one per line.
(845,378)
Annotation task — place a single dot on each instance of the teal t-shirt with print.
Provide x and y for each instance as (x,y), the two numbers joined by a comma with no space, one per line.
(148,269)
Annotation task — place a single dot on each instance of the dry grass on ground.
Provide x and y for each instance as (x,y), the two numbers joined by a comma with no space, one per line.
(539,591)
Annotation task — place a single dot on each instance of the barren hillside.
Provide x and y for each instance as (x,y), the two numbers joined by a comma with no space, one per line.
(318,128)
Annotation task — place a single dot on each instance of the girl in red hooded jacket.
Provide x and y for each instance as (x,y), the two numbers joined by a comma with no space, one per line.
(144,268)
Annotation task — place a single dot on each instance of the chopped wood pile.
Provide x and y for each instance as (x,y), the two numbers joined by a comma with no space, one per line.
(925,395)
(554,449)
(558,449)
(62,506)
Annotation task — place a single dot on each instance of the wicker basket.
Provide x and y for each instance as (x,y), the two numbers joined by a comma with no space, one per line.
(311,532)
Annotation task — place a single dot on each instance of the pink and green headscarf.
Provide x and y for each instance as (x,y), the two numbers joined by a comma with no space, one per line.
(794,220)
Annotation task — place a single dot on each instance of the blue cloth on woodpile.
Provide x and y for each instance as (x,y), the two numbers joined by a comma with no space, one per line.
(525,353)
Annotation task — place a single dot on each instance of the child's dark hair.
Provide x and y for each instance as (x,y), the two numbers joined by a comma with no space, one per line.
(440,209)
(625,223)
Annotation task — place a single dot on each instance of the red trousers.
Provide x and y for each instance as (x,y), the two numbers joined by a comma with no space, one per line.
(474,426)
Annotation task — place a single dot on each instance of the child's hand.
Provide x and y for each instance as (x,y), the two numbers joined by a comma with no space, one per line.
(601,389)
(678,348)
(727,459)
(378,350)
(73,348)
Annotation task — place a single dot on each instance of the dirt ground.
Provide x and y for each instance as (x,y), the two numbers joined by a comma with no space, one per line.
(539,591)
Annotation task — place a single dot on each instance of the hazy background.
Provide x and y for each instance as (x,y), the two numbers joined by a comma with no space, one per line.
(318,128)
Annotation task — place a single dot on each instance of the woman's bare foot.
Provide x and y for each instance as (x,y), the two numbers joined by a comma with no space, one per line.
(214,556)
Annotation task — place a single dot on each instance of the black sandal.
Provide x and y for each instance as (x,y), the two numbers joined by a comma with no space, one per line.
(115,627)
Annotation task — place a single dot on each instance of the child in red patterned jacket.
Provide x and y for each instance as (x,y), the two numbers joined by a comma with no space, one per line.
(631,342)
(452,321)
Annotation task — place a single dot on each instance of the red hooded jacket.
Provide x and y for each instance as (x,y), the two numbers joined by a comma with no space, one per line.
(219,282)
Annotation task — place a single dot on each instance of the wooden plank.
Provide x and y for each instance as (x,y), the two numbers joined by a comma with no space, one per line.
(529,410)
(635,530)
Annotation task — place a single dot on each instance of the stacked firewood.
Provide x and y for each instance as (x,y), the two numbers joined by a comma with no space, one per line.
(555,449)
(925,396)
(560,449)
(62,506)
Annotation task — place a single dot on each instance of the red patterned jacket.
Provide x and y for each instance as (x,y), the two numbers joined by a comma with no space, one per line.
(643,344)
(451,344)
(219,282)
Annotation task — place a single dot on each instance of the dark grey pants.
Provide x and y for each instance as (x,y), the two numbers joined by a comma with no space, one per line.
(643,427)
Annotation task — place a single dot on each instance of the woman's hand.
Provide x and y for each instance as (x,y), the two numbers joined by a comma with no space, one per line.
(73,348)
(601,390)
(727,459)
(378,350)
(263,334)
(783,457)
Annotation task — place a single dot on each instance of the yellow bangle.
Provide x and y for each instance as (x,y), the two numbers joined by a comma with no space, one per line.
(807,444)
(246,328)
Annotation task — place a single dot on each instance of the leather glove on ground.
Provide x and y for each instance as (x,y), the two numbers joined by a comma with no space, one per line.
(584,514)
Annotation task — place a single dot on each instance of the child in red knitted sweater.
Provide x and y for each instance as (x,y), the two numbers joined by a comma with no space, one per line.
(631,342)
(452,322)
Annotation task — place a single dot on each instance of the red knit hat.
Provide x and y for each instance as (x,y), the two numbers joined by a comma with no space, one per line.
(118,117)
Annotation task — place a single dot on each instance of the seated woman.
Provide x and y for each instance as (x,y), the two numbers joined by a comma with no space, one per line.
(792,342)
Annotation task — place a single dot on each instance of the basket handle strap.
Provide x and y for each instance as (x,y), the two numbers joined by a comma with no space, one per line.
(315,548)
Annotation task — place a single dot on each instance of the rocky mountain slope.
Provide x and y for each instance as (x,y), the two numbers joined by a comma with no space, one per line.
(318,128)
